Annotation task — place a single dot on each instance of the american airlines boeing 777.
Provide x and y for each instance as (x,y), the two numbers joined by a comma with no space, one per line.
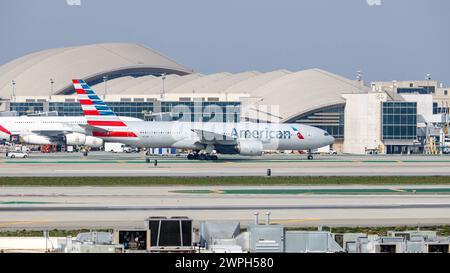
(205,139)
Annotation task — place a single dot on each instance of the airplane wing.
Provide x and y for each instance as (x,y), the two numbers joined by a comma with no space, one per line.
(208,137)
(51,133)
(90,128)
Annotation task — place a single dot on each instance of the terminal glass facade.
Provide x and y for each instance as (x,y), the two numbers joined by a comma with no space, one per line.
(412,90)
(217,111)
(66,108)
(131,108)
(122,108)
(440,110)
(330,119)
(399,120)
(26,108)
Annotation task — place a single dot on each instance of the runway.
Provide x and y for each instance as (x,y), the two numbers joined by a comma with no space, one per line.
(127,207)
(104,164)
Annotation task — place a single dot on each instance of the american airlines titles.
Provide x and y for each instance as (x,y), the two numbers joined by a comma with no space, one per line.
(266,133)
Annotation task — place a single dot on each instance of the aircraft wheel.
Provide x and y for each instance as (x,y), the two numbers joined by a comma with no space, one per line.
(214,157)
(310,157)
(202,157)
(190,157)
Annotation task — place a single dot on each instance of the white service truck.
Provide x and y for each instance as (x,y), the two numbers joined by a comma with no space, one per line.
(114,147)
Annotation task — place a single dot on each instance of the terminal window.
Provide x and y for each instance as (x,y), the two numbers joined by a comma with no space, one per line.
(26,108)
(330,119)
(218,111)
(127,109)
(399,120)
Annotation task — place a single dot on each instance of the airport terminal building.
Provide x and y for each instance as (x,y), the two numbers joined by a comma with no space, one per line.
(385,117)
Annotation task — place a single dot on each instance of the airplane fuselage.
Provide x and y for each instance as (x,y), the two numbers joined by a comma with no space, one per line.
(44,129)
(187,135)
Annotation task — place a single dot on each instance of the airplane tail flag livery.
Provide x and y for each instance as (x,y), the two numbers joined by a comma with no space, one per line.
(103,121)
(4,130)
(4,133)
(299,135)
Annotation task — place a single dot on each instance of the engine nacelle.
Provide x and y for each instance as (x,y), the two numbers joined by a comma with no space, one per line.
(94,142)
(250,147)
(75,139)
(36,139)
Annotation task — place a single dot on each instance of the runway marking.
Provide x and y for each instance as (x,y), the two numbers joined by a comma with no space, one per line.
(6,224)
(25,203)
(356,191)
(398,190)
(431,207)
(224,161)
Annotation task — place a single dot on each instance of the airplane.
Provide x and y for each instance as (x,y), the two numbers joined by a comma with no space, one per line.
(41,130)
(205,139)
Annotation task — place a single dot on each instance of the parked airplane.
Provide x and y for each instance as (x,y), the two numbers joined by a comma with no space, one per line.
(41,130)
(205,139)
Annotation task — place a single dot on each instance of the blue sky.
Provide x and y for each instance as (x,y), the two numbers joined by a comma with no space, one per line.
(400,39)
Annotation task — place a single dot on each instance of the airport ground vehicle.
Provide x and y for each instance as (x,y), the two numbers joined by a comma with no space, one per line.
(203,138)
(129,149)
(17,154)
(446,150)
(114,147)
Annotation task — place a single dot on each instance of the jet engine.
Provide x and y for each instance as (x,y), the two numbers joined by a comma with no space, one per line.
(250,147)
(36,139)
(94,142)
(75,139)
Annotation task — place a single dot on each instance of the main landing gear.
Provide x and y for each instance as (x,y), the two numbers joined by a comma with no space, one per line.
(201,156)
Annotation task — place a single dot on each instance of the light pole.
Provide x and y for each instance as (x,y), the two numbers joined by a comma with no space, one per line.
(163,77)
(428,83)
(394,86)
(359,75)
(13,82)
(105,80)
(51,89)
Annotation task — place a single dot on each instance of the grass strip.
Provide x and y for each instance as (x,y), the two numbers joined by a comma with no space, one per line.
(222,181)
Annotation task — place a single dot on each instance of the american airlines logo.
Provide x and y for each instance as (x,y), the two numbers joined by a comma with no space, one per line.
(299,135)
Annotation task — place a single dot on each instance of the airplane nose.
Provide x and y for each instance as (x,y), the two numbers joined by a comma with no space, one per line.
(327,138)
(331,139)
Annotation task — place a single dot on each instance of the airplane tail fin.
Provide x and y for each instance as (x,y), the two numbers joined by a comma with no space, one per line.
(4,133)
(98,114)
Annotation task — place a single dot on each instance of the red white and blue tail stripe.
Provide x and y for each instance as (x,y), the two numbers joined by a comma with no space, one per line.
(4,133)
(98,114)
